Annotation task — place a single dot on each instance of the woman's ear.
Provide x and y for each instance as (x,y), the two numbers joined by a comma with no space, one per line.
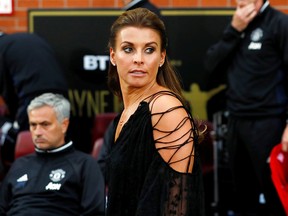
(163,56)
(112,57)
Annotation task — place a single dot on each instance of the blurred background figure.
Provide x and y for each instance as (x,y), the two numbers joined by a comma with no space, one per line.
(28,68)
(132,4)
(253,53)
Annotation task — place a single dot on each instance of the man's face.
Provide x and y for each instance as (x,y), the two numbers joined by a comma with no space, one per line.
(47,132)
(125,2)
(243,3)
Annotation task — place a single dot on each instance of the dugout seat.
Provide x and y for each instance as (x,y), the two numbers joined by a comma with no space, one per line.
(24,144)
(97,147)
(100,124)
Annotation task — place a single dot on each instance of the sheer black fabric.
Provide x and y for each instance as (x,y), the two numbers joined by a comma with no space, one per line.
(141,181)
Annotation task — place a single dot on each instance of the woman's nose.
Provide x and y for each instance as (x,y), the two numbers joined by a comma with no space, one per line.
(138,58)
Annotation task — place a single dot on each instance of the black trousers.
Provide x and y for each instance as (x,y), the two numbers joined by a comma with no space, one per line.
(249,143)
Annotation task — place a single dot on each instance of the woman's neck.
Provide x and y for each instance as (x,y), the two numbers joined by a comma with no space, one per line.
(136,95)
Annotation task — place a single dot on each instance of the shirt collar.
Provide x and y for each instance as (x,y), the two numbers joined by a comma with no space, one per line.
(264,6)
(59,149)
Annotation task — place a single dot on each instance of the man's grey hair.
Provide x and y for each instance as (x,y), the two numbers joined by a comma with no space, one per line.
(58,102)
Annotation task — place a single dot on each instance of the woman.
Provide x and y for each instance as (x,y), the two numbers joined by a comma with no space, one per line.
(153,163)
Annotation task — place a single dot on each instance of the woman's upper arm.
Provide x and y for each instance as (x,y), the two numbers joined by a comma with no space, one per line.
(173,133)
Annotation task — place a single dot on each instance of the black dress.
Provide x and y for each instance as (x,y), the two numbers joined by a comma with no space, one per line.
(140,182)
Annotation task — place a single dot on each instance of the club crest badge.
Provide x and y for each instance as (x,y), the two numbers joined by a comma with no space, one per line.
(256,35)
(57,175)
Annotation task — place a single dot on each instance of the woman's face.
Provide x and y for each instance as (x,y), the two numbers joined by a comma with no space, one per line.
(137,56)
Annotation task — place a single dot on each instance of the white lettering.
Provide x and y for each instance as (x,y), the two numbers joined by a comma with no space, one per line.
(254,46)
(92,62)
(53,186)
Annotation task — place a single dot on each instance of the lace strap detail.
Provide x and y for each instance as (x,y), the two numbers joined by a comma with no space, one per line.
(174,131)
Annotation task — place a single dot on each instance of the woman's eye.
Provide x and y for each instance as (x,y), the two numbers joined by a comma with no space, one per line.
(149,50)
(127,49)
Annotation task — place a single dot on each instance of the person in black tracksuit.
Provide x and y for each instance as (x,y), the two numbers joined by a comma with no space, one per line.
(28,68)
(57,179)
(253,52)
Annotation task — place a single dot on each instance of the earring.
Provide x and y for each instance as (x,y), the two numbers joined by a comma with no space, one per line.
(160,65)
(113,64)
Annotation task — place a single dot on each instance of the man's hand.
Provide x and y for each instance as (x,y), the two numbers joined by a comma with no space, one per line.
(243,16)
